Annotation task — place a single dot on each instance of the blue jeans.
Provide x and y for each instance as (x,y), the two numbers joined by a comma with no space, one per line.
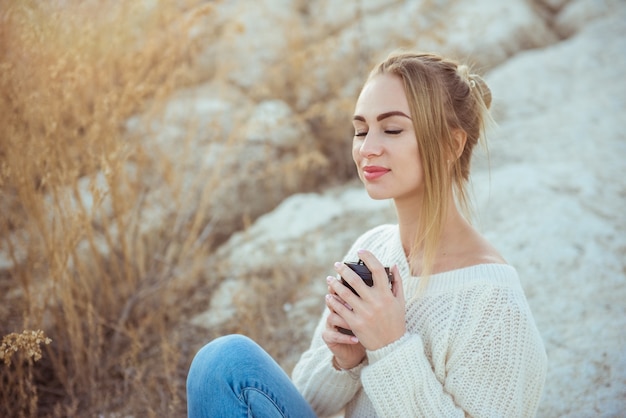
(234,377)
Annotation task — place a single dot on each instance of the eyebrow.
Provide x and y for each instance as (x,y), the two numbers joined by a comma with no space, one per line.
(383,116)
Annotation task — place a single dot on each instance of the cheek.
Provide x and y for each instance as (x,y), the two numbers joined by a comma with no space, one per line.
(356,155)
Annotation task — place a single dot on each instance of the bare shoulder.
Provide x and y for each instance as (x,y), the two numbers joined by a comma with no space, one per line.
(466,247)
(479,250)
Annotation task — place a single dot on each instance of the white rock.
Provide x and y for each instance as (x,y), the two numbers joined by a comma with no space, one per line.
(553,204)
(254,36)
(222,307)
(579,13)
(274,123)
(302,230)
(486,33)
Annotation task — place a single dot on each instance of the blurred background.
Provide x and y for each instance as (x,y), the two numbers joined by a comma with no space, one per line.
(172,171)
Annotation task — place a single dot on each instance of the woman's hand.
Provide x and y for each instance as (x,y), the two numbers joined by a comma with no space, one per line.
(348,351)
(377,317)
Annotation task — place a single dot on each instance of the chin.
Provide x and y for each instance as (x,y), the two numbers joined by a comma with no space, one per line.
(377,195)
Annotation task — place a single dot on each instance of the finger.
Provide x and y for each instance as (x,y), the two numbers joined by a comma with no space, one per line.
(332,336)
(342,291)
(333,321)
(342,301)
(350,277)
(336,305)
(379,274)
(329,280)
(397,286)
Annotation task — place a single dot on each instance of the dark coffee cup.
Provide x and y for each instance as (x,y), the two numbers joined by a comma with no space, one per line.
(366,275)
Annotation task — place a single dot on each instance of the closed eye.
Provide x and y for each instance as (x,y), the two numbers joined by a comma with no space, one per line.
(360,133)
(393,131)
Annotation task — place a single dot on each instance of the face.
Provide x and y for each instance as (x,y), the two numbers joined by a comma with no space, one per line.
(384,148)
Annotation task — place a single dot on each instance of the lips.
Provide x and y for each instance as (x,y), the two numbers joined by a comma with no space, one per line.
(372,172)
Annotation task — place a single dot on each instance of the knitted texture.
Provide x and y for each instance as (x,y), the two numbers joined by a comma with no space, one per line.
(471,348)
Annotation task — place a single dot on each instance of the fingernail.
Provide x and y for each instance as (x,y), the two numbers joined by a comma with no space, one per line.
(361,251)
(328,297)
(354,339)
(329,279)
(337,264)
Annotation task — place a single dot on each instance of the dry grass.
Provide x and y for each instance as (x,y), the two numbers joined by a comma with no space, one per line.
(19,394)
(77,265)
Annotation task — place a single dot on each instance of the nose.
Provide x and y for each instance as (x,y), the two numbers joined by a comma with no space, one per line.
(371,146)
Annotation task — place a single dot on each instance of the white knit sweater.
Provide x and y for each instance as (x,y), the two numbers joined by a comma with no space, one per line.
(471,349)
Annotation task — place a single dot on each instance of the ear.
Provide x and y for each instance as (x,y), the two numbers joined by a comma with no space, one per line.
(460,137)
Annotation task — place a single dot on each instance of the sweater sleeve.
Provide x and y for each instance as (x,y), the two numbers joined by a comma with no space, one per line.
(325,388)
(494,365)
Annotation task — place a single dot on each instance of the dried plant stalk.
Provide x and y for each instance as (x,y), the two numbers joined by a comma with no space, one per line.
(19,352)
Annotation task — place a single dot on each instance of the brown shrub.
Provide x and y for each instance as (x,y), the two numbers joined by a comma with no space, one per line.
(71,74)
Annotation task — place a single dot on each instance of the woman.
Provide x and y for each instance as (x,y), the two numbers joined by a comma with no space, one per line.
(453,335)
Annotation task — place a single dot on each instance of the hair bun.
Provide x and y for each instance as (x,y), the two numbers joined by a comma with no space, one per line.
(477,82)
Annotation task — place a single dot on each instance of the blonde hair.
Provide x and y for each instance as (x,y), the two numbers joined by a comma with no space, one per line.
(443,96)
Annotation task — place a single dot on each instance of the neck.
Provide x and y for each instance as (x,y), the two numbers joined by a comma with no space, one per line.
(408,213)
